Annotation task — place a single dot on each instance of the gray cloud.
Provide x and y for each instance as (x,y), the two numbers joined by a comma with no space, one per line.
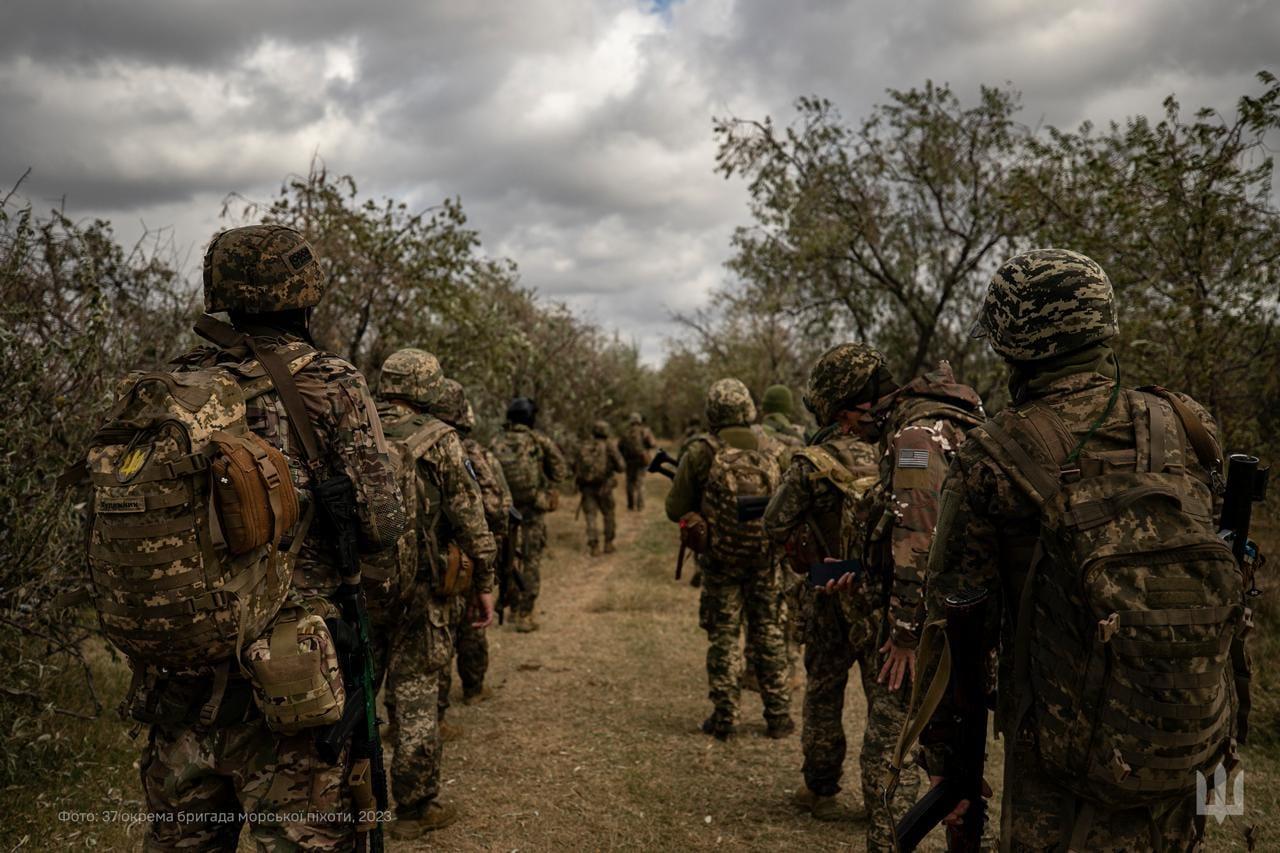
(577,132)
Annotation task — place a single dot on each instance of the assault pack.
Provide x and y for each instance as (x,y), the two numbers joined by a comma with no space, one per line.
(737,472)
(591,467)
(632,445)
(1130,607)
(521,459)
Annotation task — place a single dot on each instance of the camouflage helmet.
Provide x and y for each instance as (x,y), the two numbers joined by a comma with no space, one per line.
(776,399)
(261,268)
(600,429)
(1047,302)
(522,410)
(413,375)
(729,404)
(842,378)
(635,418)
(452,406)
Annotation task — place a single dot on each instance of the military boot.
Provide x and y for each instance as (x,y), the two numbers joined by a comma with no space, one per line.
(593,548)
(608,547)
(820,806)
(718,727)
(525,623)
(780,727)
(476,696)
(414,823)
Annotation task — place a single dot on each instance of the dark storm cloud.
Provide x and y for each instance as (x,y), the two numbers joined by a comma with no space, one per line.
(577,132)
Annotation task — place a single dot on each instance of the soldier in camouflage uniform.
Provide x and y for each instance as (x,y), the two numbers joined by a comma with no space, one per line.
(596,462)
(470,641)
(732,589)
(533,467)
(267,278)
(449,516)
(1050,314)
(777,406)
(636,446)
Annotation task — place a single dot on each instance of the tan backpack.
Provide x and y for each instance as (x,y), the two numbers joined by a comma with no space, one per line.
(591,467)
(521,458)
(738,472)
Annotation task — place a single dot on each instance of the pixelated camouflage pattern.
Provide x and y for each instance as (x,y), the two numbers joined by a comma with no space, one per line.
(531,462)
(838,379)
(493,486)
(1047,302)
(201,779)
(729,404)
(738,472)
(278,668)
(531,545)
(450,404)
(261,268)
(413,375)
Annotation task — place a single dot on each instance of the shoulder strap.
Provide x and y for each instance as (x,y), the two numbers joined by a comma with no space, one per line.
(422,440)
(999,444)
(1206,448)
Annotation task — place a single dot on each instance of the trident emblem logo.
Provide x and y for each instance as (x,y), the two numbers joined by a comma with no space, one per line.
(1221,806)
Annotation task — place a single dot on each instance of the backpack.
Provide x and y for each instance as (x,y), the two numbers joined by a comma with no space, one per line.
(632,445)
(187,513)
(591,467)
(388,576)
(521,459)
(738,472)
(1129,608)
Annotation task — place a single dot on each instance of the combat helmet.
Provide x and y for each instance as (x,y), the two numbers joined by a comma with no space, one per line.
(452,406)
(259,269)
(413,375)
(522,410)
(777,400)
(600,429)
(729,404)
(635,418)
(1045,303)
(843,377)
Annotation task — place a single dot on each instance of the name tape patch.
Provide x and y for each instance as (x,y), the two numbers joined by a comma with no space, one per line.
(137,504)
(911,458)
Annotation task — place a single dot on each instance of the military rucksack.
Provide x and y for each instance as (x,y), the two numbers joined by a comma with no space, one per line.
(188,511)
(591,467)
(737,472)
(632,445)
(1130,607)
(521,459)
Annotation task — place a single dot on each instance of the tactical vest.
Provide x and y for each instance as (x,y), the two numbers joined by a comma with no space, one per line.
(520,455)
(591,467)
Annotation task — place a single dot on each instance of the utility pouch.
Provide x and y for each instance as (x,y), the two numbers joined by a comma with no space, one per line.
(455,575)
(296,676)
(254,495)
(694,534)
(547,501)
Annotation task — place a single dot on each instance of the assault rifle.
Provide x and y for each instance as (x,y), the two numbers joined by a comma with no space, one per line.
(508,564)
(1246,485)
(336,501)
(752,508)
(663,463)
(965,731)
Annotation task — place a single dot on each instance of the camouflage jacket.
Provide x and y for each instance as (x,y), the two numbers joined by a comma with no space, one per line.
(781,429)
(988,529)
(350,441)
(553,467)
(926,421)
(614,463)
(450,507)
(493,486)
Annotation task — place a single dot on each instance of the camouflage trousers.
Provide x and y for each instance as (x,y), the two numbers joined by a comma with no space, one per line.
(532,542)
(207,780)
(470,653)
(789,617)
(595,503)
(730,598)
(421,652)
(1040,816)
(837,637)
(635,485)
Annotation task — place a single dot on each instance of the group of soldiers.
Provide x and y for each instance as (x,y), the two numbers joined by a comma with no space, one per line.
(1080,501)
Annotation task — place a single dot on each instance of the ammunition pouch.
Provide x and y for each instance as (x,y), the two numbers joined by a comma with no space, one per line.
(297,680)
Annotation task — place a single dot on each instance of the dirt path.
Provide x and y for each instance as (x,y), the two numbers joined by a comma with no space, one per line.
(591,738)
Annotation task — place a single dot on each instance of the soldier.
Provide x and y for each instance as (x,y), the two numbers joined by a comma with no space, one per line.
(1078,467)
(738,563)
(533,467)
(594,466)
(692,429)
(471,642)
(455,566)
(267,278)
(636,446)
(777,406)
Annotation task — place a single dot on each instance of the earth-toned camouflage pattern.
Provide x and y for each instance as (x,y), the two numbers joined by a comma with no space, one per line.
(261,268)
(840,379)
(202,779)
(450,404)
(531,543)
(729,404)
(532,464)
(298,683)
(596,456)
(413,375)
(635,418)
(1045,303)
(636,445)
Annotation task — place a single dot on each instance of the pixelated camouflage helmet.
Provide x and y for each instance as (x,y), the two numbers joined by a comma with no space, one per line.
(777,399)
(843,377)
(1047,302)
(452,406)
(635,418)
(522,410)
(729,404)
(413,375)
(261,268)
(600,429)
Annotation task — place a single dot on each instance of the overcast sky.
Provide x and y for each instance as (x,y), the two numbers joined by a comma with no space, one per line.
(577,132)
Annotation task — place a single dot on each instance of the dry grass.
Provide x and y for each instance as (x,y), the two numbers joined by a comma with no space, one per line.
(591,738)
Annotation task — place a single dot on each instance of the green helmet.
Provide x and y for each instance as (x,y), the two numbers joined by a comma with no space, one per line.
(729,404)
(261,268)
(450,404)
(843,377)
(1045,303)
(600,429)
(413,375)
(777,399)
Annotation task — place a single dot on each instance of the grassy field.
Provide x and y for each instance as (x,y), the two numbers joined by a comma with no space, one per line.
(590,740)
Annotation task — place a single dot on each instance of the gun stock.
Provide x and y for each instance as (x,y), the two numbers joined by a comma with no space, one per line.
(663,463)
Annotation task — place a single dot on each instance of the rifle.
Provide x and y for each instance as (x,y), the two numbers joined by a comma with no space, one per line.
(966,732)
(508,572)
(752,508)
(663,463)
(336,500)
(1246,485)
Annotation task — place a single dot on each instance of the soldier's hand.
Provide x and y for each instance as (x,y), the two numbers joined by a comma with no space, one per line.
(482,609)
(899,664)
(956,818)
(844,583)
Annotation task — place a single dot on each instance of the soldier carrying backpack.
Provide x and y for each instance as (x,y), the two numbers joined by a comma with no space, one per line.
(595,463)
(636,446)
(1087,511)
(738,560)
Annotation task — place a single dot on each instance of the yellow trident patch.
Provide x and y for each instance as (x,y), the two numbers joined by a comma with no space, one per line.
(132,462)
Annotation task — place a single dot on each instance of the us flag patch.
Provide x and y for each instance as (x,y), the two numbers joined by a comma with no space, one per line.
(909,458)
